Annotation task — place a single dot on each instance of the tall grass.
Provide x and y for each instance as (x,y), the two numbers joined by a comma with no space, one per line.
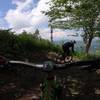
(84,56)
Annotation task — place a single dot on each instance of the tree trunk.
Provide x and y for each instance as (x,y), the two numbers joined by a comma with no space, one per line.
(51,34)
(88,44)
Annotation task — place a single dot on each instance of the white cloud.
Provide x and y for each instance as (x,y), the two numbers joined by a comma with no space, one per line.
(23,4)
(57,34)
(17,20)
(3,24)
(60,34)
(27,14)
(45,33)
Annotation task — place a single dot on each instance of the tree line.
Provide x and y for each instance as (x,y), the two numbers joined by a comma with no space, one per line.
(24,44)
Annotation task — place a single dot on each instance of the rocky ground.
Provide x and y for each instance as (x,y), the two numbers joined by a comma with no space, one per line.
(23,83)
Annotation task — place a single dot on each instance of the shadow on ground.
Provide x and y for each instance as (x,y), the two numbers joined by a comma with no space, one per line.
(22,83)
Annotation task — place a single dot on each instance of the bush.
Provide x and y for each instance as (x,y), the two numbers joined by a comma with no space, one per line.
(84,56)
(24,44)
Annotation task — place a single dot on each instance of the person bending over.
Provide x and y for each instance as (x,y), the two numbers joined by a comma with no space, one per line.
(68,50)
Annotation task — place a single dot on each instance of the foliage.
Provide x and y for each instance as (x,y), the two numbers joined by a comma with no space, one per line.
(51,89)
(24,45)
(77,14)
(83,56)
(7,39)
(36,34)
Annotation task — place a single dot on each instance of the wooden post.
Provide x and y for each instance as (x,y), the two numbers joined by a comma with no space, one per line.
(51,34)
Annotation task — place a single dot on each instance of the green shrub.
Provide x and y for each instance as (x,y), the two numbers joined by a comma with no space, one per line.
(24,44)
(84,56)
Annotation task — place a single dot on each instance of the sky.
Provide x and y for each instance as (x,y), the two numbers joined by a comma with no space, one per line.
(26,15)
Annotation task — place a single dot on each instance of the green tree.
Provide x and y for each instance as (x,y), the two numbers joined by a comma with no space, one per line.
(7,39)
(76,14)
(36,34)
